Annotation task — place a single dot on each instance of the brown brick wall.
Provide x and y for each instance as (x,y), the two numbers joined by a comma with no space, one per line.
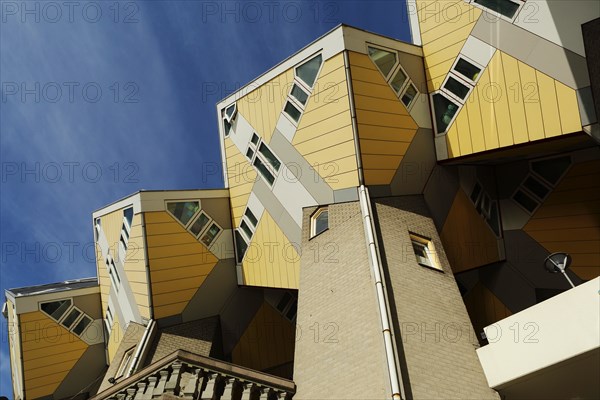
(339,348)
(437,340)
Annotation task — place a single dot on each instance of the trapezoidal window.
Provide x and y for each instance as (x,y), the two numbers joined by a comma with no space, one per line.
(319,222)
(385,60)
(228,115)
(56,309)
(424,251)
(308,71)
(183,211)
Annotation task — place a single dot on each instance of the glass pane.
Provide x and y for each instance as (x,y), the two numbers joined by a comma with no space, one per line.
(269,156)
(299,94)
(475,193)
(467,69)
(81,325)
(444,111)
(283,302)
(251,217)
(227,127)
(229,111)
(73,315)
(246,229)
(291,314)
(199,224)
(504,7)
(322,222)
(292,111)
(536,187)
(183,211)
(525,200)
(409,95)
(385,60)
(419,249)
(240,247)
(210,235)
(398,80)
(456,87)
(250,154)
(551,169)
(264,171)
(128,214)
(254,138)
(308,71)
(56,309)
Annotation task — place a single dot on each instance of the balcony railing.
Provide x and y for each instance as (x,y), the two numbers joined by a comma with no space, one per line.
(190,376)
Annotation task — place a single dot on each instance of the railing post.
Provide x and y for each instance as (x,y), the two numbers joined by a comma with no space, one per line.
(141,388)
(208,386)
(160,387)
(172,383)
(191,388)
(227,392)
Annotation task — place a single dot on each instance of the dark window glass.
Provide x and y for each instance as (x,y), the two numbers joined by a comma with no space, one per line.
(536,187)
(385,60)
(199,224)
(321,222)
(525,200)
(308,71)
(56,309)
(251,217)
(551,169)
(467,69)
(291,313)
(246,229)
(456,87)
(81,325)
(292,111)
(409,95)
(494,220)
(299,94)
(71,318)
(504,7)
(184,210)
(264,171)
(398,80)
(254,138)
(210,235)
(250,154)
(285,299)
(229,111)
(475,193)
(444,111)
(269,156)
(128,214)
(240,247)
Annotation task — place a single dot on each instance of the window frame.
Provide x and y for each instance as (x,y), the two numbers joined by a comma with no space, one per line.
(461,76)
(487,212)
(81,317)
(544,180)
(394,67)
(403,92)
(257,154)
(111,266)
(75,321)
(239,258)
(432,261)
(227,118)
(205,231)
(192,218)
(313,221)
(70,299)
(301,63)
(201,212)
(497,14)
(127,355)
(459,105)
(460,80)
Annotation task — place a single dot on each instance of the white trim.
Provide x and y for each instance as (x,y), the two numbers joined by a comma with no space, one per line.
(413,22)
(460,80)
(477,51)
(382,48)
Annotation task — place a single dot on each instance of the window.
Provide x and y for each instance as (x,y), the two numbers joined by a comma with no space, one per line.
(126,227)
(319,222)
(109,318)
(183,211)
(250,215)
(385,60)
(456,87)
(292,111)
(551,169)
(240,246)
(299,94)
(81,326)
(97,227)
(467,69)
(112,272)
(56,309)
(444,112)
(288,305)
(398,80)
(71,318)
(409,95)
(199,224)
(486,207)
(424,251)
(507,8)
(525,201)
(261,157)
(308,71)
(228,115)
(210,234)
(124,363)
(244,226)
(128,216)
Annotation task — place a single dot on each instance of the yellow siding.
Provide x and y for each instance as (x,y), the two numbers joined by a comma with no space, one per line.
(512,104)
(271,260)
(468,241)
(135,266)
(267,342)
(324,135)
(177,267)
(262,106)
(385,128)
(241,177)
(445,26)
(569,220)
(49,352)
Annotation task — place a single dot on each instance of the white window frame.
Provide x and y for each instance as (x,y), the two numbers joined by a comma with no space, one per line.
(255,153)
(307,59)
(205,230)
(486,213)
(432,106)
(192,218)
(389,50)
(110,318)
(53,301)
(125,360)
(81,314)
(497,14)
(236,249)
(461,76)
(115,278)
(313,221)
(196,216)
(79,320)
(406,82)
(414,99)
(453,96)
(229,119)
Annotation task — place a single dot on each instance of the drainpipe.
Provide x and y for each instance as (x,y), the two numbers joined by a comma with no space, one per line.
(141,347)
(395,379)
(353,118)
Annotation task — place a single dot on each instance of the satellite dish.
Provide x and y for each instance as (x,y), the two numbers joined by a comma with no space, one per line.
(559,262)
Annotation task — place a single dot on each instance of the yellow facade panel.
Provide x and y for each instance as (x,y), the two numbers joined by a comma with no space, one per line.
(549,105)
(330,139)
(452,142)
(390,134)
(366,75)
(325,110)
(455,37)
(455,14)
(488,117)
(168,310)
(531,101)
(374,147)
(378,91)
(497,93)
(514,95)
(379,176)
(176,286)
(360,60)
(435,75)
(342,180)
(240,177)
(567,108)
(464,131)
(384,119)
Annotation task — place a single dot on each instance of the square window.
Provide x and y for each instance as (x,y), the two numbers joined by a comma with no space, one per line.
(409,95)
(199,224)
(292,111)
(299,94)
(210,235)
(456,87)
(424,251)
(398,80)
(467,69)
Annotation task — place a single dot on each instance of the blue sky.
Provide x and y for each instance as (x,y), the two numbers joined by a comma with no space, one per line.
(103,99)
